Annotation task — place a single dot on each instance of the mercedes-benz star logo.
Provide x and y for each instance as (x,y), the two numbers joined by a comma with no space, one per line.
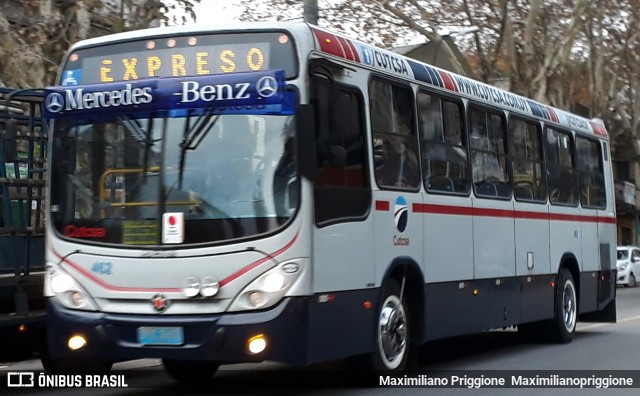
(267,86)
(54,102)
(159,302)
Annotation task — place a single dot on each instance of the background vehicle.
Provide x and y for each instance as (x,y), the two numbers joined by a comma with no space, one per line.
(628,265)
(23,140)
(278,192)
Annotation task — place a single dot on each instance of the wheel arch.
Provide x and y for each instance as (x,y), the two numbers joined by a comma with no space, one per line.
(414,290)
(570,262)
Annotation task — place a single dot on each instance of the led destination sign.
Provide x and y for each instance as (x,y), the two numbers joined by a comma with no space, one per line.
(256,93)
(179,56)
(190,61)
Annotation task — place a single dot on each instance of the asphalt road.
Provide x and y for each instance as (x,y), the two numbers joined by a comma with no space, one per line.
(597,348)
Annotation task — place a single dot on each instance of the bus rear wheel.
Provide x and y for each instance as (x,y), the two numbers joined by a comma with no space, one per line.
(392,331)
(188,371)
(563,327)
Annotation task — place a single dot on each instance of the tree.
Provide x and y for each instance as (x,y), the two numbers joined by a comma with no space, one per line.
(580,55)
(36,33)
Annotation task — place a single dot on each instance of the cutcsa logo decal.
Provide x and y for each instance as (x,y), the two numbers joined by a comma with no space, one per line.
(401,212)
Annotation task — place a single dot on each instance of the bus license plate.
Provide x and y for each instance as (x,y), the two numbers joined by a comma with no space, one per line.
(160,335)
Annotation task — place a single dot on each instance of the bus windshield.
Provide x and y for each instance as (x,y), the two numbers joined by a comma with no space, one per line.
(225,176)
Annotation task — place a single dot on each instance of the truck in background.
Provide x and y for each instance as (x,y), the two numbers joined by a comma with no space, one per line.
(23,142)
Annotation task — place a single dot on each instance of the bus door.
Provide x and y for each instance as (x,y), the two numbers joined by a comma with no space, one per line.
(396,174)
(493,218)
(531,218)
(447,213)
(591,184)
(343,275)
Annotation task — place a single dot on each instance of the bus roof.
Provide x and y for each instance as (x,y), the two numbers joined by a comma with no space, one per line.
(365,55)
(408,68)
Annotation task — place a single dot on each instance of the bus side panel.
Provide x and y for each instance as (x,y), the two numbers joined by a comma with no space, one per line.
(564,235)
(453,308)
(590,263)
(343,280)
(538,297)
(341,325)
(493,239)
(448,241)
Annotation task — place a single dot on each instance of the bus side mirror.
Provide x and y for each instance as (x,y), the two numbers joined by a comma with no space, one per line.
(9,141)
(306,138)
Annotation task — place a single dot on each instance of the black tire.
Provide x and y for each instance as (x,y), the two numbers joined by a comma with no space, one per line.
(563,327)
(632,280)
(392,330)
(188,371)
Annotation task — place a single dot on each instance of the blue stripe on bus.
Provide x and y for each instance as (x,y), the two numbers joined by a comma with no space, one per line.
(435,76)
(537,110)
(425,73)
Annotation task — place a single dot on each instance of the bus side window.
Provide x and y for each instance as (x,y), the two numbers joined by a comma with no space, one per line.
(444,157)
(487,139)
(527,162)
(590,173)
(341,187)
(561,173)
(394,142)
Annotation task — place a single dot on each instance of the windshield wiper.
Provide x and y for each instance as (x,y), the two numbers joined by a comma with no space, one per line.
(193,136)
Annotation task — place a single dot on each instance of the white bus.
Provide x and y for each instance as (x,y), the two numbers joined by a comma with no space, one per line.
(278,192)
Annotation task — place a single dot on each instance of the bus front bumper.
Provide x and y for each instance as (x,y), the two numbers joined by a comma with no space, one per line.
(218,337)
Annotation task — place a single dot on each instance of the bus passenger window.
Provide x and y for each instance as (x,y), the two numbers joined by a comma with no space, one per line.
(488,155)
(394,144)
(590,173)
(527,163)
(444,157)
(561,172)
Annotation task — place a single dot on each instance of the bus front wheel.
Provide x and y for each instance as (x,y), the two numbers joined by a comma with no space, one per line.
(392,330)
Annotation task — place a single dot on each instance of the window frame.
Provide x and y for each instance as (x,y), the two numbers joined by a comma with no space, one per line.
(513,157)
(427,143)
(329,192)
(487,111)
(598,145)
(412,137)
(571,136)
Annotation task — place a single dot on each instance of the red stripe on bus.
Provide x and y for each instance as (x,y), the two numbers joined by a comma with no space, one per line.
(347,49)
(107,286)
(448,81)
(329,43)
(253,265)
(552,114)
(505,213)
(223,282)
(383,206)
(356,56)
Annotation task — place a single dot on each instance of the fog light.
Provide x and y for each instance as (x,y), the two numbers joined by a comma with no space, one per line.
(257,344)
(76,342)
(78,299)
(257,299)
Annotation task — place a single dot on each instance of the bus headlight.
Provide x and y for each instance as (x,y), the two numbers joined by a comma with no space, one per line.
(61,286)
(269,288)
